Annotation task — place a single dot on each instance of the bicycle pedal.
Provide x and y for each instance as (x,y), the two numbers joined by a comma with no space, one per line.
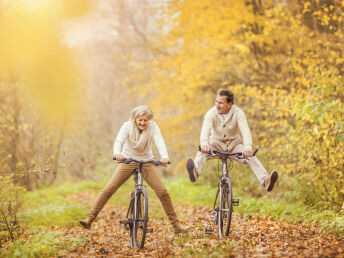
(208,230)
(124,222)
(150,230)
(235,202)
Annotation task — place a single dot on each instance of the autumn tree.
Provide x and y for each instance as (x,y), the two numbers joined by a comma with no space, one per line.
(282,59)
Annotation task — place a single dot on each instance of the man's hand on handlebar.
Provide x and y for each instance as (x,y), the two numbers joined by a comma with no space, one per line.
(205,148)
(119,157)
(164,161)
(248,153)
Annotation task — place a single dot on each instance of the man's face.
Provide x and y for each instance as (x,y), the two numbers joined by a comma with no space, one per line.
(221,104)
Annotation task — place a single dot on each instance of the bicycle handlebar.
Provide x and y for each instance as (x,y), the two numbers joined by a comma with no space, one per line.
(130,160)
(239,155)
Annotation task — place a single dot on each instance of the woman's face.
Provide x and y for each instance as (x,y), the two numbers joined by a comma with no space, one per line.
(142,122)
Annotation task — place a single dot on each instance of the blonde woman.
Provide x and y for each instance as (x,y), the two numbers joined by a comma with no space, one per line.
(134,140)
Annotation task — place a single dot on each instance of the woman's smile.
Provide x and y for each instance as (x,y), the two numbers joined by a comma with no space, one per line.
(142,122)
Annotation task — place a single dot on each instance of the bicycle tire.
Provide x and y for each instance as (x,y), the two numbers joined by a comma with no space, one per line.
(227,206)
(140,221)
(225,209)
(130,219)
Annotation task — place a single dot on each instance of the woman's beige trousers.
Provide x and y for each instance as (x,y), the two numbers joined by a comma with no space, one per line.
(122,173)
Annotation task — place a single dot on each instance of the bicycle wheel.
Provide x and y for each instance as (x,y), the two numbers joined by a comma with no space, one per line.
(225,208)
(130,219)
(141,218)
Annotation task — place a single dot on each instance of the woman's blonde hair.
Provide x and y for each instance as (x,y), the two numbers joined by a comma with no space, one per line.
(140,111)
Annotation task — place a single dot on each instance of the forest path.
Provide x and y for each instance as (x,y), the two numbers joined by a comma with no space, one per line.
(250,236)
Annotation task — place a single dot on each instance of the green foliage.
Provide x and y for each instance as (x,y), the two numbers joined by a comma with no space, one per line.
(43,244)
(319,130)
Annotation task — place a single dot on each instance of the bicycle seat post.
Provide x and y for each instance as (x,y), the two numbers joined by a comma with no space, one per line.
(224,166)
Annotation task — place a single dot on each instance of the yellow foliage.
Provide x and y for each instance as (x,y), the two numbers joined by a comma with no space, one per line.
(278,59)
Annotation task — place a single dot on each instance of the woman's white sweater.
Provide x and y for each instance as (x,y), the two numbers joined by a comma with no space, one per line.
(123,146)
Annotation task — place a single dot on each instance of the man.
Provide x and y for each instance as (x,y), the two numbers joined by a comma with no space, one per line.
(225,129)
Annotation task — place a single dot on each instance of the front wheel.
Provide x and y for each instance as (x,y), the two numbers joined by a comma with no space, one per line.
(225,208)
(140,219)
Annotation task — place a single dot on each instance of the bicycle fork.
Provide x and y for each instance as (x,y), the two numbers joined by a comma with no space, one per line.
(132,215)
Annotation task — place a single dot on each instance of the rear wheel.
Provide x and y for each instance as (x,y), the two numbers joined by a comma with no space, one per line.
(140,215)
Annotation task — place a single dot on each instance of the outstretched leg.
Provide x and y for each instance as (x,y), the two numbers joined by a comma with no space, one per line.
(195,167)
(152,177)
(122,173)
(257,168)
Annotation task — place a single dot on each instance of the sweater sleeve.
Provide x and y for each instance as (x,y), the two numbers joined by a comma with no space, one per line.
(245,130)
(206,128)
(159,141)
(121,138)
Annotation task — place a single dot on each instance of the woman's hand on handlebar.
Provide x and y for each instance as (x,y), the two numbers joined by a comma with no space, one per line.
(164,161)
(119,157)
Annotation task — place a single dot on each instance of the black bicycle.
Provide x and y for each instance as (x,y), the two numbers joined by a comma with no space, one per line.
(137,215)
(224,202)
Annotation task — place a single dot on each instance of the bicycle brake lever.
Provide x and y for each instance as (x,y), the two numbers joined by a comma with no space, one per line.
(127,161)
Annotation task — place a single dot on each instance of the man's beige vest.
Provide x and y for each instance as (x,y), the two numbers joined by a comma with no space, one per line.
(226,133)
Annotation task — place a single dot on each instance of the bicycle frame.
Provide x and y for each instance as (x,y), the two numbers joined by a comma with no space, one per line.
(218,203)
(135,214)
(138,185)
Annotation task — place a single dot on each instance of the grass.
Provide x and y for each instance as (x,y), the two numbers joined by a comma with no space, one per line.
(43,209)
(49,206)
(42,244)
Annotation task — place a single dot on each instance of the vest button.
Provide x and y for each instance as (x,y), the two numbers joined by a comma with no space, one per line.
(224,136)
(224,126)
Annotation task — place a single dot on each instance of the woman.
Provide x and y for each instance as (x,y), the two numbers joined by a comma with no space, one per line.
(134,141)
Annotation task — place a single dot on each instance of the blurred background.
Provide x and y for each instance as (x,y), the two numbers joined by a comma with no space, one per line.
(72,70)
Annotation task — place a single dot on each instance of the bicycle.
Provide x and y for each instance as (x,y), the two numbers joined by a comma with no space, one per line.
(137,215)
(224,202)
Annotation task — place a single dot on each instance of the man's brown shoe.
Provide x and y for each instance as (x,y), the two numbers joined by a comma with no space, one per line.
(190,166)
(270,181)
